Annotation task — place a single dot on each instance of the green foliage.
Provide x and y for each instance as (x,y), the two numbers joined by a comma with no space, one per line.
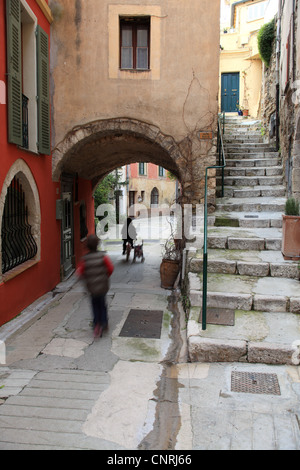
(292,207)
(103,190)
(171,176)
(265,40)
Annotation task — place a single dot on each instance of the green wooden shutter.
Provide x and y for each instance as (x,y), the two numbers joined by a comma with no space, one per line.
(43,92)
(14,68)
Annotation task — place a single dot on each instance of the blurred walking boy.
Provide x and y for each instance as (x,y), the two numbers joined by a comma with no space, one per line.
(95,269)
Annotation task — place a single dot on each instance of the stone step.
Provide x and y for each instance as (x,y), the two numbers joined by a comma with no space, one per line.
(241,181)
(247,138)
(248,293)
(253,171)
(255,191)
(246,239)
(237,243)
(248,147)
(260,204)
(253,162)
(250,155)
(246,220)
(250,263)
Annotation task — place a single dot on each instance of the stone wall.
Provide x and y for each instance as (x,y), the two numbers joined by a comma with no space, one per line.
(289,116)
(268,93)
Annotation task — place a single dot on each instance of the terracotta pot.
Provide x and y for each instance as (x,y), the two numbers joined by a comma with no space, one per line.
(246,112)
(291,237)
(169,270)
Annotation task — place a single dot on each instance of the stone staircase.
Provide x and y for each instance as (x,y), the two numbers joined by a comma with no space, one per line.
(247,274)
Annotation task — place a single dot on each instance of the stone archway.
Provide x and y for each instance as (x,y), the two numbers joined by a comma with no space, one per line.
(94,149)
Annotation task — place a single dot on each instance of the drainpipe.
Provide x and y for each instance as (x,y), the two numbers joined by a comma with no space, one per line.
(278,46)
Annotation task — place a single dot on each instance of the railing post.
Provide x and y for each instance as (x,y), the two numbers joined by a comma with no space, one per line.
(222,164)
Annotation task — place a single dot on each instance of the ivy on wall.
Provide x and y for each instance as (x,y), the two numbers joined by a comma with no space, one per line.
(265,40)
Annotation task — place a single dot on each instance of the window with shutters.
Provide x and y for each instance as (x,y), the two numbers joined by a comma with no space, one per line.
(142,169)
(134,43)
(28,79)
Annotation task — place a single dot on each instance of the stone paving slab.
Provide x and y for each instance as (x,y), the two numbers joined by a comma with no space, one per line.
(51,409)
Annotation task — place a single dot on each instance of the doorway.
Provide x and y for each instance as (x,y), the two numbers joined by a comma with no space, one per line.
(67,250)
(230,89)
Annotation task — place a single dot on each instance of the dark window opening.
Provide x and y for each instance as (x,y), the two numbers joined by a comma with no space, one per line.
(135,43)
(154,197)
(142,169)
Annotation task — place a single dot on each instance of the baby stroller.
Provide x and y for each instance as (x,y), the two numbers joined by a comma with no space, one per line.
(138,252)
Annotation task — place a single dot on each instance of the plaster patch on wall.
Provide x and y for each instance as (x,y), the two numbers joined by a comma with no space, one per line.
(2,92)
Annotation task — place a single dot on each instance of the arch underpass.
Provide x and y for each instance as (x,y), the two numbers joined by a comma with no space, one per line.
(95,149)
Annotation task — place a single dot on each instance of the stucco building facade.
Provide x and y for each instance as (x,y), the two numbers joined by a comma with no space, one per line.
(108,113)
(240,64)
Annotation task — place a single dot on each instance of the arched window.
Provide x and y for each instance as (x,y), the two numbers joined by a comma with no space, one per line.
(20,218)
(154,197)
(18,244)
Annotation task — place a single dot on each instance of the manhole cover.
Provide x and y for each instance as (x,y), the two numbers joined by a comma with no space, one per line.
(219,316)
(143,324)
(251,382)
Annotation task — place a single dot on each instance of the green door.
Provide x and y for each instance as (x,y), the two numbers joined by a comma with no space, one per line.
(230,85)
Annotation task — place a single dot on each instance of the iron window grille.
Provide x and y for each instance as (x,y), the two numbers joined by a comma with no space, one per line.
(18,244)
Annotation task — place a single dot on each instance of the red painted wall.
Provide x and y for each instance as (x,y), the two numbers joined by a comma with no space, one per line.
(19,292)
(152,171)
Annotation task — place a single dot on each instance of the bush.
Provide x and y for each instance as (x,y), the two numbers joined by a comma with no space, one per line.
(292,207)
(265,39)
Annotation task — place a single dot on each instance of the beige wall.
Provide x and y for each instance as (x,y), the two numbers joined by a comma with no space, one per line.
(179,95)
(240,54)
(85,67)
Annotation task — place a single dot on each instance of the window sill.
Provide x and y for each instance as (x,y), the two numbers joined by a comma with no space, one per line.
(18,270)
(33,152)
(135,70)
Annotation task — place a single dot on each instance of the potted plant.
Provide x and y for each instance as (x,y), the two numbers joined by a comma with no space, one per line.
(240,110)
(291,230)
(170,265)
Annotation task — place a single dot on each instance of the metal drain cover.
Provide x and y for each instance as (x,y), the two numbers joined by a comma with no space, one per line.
(219,316)
(251,382)
(143,324)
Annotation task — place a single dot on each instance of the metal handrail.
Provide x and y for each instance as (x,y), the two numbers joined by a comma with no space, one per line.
(222,165)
